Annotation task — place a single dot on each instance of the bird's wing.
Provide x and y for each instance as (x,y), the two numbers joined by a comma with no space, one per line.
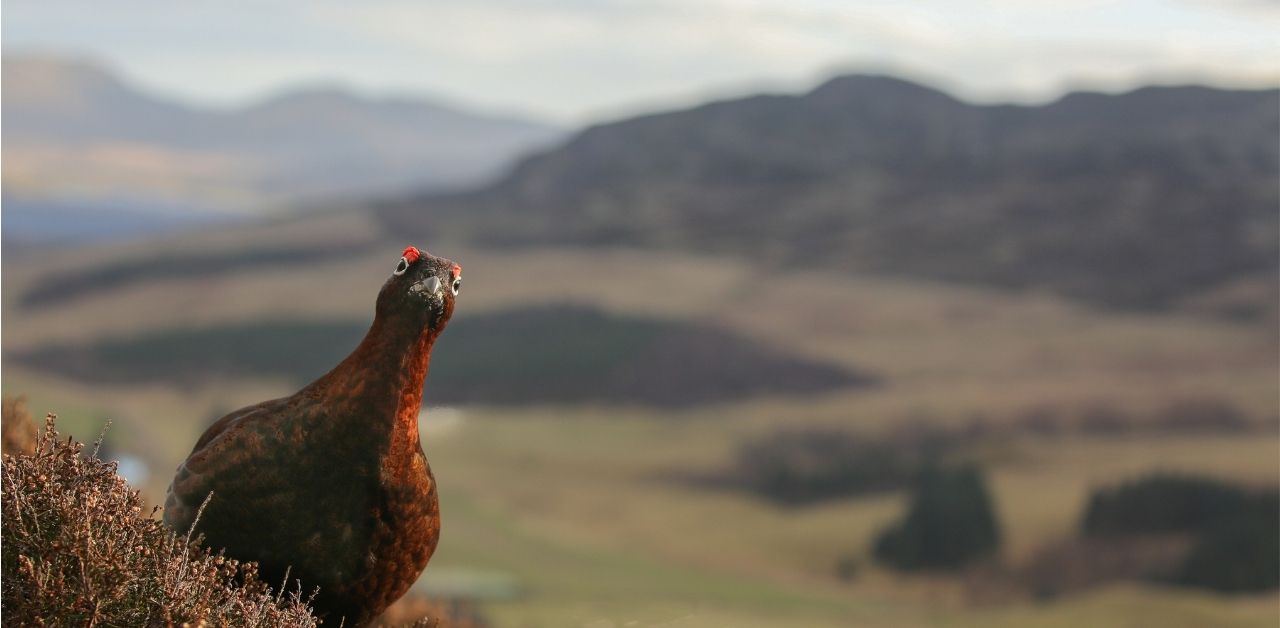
(233,441)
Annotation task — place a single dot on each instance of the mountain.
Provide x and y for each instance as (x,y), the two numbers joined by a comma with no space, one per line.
(76,133)
(1137,200)
(66,102)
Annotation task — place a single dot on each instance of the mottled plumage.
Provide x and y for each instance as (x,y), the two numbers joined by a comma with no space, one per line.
(331,483)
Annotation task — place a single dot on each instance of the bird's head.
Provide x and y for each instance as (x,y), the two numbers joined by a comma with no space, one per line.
(421,290)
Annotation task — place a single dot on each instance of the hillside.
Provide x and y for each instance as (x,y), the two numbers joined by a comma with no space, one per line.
(75,131)
(1137,200)
(565,509)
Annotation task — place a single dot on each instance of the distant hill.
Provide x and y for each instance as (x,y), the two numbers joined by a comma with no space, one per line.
(1137,200)
(75,132)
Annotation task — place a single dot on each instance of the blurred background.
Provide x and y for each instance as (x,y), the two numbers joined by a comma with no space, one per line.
(777,313)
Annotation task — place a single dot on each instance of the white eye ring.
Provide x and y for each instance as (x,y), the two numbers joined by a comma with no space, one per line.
(401,267)
(457,286)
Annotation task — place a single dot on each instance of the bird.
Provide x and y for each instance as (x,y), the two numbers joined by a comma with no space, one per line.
(330,487)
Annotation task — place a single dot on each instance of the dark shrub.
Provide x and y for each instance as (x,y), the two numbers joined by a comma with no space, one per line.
(1106,420)
(1163,503)
(1239,554)
(950,523)
(800,467)
(1234,530)
(1203,414)
(804,466)
(1042,420)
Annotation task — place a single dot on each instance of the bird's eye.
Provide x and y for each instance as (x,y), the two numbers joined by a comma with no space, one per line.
(457,286)
(401,267)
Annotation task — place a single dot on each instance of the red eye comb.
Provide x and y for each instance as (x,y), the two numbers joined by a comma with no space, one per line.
(455,271)
(411,254)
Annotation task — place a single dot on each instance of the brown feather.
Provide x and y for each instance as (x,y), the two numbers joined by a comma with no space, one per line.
(331,483)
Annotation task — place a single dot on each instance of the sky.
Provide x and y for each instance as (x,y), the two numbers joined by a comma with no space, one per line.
(575,61)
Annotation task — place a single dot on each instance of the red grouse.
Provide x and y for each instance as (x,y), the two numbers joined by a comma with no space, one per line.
(331,484)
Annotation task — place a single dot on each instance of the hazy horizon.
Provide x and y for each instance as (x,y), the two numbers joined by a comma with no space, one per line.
(574,63)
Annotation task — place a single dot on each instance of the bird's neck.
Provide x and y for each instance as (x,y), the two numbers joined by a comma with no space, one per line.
(381,381)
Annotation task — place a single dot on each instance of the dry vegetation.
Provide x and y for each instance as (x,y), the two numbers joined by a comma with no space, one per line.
(80,551)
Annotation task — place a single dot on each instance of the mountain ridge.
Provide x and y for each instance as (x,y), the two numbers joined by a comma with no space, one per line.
(1137,200)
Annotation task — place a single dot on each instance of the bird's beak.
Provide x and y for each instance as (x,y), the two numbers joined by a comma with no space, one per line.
(430,285)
